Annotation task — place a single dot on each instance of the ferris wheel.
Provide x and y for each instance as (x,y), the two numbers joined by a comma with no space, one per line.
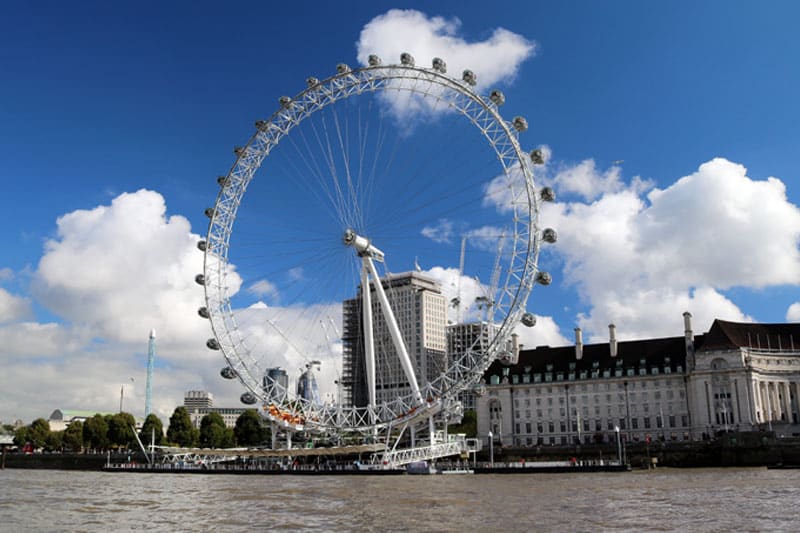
(318,299)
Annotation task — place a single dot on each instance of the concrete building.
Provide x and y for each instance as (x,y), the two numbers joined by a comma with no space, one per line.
(472,336)
(420,309)
(200,403)
(738,376)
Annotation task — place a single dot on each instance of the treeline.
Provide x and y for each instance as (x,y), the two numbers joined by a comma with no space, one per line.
(104,432)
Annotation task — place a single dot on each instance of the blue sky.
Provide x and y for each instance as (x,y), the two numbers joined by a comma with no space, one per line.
(102,99)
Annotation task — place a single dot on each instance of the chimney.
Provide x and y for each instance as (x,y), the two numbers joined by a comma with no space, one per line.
(689,338)
(578,344)
(612,339)
(515,346)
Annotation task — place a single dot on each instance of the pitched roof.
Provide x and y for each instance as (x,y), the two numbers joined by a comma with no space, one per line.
(653,351)
(724,334)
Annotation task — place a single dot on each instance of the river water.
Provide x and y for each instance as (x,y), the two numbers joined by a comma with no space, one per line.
(662,500)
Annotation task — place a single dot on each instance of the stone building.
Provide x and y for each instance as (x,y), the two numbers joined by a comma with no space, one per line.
(738,376)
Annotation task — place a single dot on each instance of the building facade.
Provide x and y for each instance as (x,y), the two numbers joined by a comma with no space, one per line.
(738,376)
(199,403)
(420,310)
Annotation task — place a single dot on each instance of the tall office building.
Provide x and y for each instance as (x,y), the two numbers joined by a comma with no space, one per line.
(421,312)
(473,337)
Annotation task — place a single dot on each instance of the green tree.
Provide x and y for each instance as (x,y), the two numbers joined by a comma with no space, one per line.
(468,425)
(152,427)
(55,441)
(248,430)
(213,432)
(22,435)
(121,430)
(73,436)
(95,432)
(181,431)
(39,432)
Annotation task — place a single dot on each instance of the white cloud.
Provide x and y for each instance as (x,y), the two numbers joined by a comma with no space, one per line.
(585,180)
(263,288)
(442,232)
(494,60)
(111,274)
(640,262)
(123,269)
(13,308)
(793,313)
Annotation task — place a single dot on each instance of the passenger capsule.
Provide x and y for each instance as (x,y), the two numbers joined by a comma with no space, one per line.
(248,398)
(548,194)
(543,278)
(212,344)
(439,65)
(497,97)
(201,245)
(469,77)
(528,320)
(343,68)
(203,312)
(520,124)
(549,235)
(312,82)
(407,59)
(285,102)
(222,180)
(200,279)
(209,212)
(239,150)
(537,157)
(227,372)
(374,60)
(261,125)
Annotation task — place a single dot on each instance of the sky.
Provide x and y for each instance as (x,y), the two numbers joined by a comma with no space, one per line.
(671,131)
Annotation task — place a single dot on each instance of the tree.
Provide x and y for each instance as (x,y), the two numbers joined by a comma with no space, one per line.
(468,425)
(21,435)
(95,432)
(39,432)
(73,436)
(213,433)
(152,427)
(181,431)
(121,429)
(54,441)
(248,430)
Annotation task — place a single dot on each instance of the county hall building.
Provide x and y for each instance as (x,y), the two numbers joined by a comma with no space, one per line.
(735,377)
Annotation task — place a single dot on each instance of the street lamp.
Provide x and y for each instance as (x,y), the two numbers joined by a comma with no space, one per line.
(619,445)
(491,448)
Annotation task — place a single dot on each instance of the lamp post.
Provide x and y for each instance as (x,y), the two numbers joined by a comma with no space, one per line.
(619,445)
(491,449)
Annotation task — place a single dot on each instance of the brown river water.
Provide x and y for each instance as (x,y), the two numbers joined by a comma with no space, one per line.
(662,500)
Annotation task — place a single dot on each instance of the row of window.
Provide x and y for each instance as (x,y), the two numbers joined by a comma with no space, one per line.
(610,424)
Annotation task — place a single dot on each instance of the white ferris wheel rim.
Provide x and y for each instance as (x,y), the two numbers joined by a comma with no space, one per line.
(514,289)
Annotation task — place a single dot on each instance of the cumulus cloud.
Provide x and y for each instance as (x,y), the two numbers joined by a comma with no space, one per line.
(123,269)
(793,313)
(494,60)
(13,308)
(639,260)
(587,181)
(110,274)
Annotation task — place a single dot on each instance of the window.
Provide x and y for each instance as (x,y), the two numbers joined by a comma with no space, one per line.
(515,379)
(551,427)
(528,428)
(647,422)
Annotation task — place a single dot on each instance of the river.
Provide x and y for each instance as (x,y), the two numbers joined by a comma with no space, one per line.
(754,499)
